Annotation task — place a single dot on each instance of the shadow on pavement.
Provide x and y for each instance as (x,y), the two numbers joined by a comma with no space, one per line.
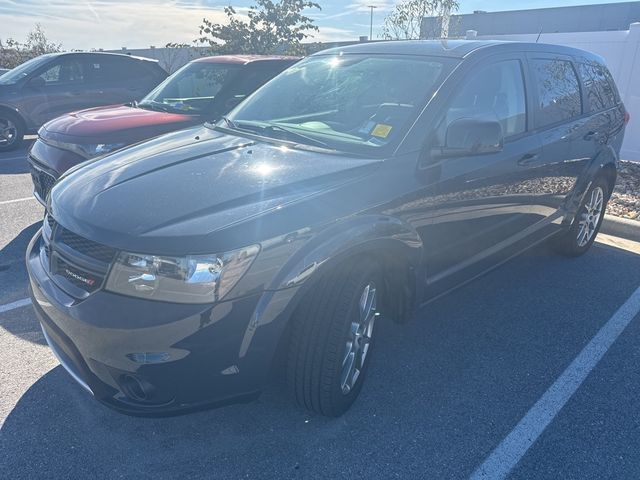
(15,162)
(443,390)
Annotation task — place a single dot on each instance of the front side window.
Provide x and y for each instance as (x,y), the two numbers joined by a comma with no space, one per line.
(191,89)
(558,91)
(66,71)
(598,90)
(354,103)
(495,92)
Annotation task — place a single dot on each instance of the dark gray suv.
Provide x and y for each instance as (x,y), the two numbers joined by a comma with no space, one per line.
(355,186)
(51,85)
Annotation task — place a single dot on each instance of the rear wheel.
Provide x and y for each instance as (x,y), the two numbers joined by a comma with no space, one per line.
(11,131)
(332,339)
(587,222)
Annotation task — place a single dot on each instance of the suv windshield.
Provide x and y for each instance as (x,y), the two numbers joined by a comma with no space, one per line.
(191,89)
(360,104)
(21,71)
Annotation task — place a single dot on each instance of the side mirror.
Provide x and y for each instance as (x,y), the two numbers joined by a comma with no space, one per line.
(37,83)
(470,136)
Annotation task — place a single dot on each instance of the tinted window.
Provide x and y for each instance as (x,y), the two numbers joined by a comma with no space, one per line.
(558,91)
(494,93)
(598,90)
(62,72)
(107,70)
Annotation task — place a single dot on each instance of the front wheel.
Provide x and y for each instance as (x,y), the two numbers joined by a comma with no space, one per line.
(11,131)
(332,338)
(587,222)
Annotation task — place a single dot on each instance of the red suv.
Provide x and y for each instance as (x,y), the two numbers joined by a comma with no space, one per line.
(202,90)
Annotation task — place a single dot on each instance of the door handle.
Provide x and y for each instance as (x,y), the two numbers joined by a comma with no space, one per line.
(527,159)
(590,135)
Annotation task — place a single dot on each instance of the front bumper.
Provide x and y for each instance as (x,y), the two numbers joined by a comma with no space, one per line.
(149,358)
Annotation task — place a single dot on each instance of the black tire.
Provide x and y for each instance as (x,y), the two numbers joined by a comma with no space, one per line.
(10,121)
(322,326)
(568,243)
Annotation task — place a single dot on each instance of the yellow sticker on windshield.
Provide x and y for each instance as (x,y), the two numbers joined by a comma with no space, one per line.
(381,130)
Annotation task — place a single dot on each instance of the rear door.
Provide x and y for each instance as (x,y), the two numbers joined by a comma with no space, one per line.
(116,80)
(561,125)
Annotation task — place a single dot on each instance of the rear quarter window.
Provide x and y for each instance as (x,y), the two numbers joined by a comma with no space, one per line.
(558,91)
(598,86)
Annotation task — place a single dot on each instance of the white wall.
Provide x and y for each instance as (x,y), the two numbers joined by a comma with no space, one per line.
(621,51)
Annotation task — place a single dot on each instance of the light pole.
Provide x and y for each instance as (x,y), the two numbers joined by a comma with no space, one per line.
(371,22)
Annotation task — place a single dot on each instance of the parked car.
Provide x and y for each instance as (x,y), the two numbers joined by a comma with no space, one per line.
(200,91)
(3,71)
(50,85)
(356,185)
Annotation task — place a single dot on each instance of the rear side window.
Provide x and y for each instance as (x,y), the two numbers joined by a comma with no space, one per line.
(112,69)
(494,93)
(558,91)
(599,91)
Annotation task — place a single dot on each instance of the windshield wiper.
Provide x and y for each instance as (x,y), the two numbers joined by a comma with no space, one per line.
(301,137)
(153,105)
(289,134)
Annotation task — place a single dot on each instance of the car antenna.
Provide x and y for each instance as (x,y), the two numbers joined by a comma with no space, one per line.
(539,33)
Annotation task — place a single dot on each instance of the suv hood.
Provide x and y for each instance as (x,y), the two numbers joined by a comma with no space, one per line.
(115,124)
(170,194)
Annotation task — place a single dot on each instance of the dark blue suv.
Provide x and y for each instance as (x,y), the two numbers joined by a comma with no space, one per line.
(357,184)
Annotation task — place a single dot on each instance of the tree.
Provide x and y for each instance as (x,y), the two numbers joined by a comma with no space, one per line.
(174,55)
(13,53)
(405,20)
(271,26)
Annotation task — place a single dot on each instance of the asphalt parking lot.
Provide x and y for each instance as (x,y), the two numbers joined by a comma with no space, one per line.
(534,366)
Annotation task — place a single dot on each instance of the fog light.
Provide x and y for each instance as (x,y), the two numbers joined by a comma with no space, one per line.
(136,388)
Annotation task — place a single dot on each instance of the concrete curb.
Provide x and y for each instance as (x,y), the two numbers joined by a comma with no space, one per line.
(621,227)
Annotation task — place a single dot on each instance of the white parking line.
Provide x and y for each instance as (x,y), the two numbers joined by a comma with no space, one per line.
(515,445)
(13,305)
(15,200)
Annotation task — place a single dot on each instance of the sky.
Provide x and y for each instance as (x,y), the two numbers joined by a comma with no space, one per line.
(112,24)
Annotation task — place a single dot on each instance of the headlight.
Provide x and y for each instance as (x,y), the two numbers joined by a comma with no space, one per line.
(190,279)
(93,150)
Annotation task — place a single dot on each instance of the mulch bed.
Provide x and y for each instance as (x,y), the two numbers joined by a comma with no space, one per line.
(625,200)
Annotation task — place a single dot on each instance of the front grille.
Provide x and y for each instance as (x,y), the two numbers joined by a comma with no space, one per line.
(85,246)
(42,182)
(82,245)
(82,263)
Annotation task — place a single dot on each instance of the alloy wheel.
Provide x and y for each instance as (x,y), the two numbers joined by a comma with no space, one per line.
(590,216)
(359,340)
(8,132)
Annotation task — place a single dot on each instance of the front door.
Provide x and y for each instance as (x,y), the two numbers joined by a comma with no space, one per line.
(60,89)
(472,207)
